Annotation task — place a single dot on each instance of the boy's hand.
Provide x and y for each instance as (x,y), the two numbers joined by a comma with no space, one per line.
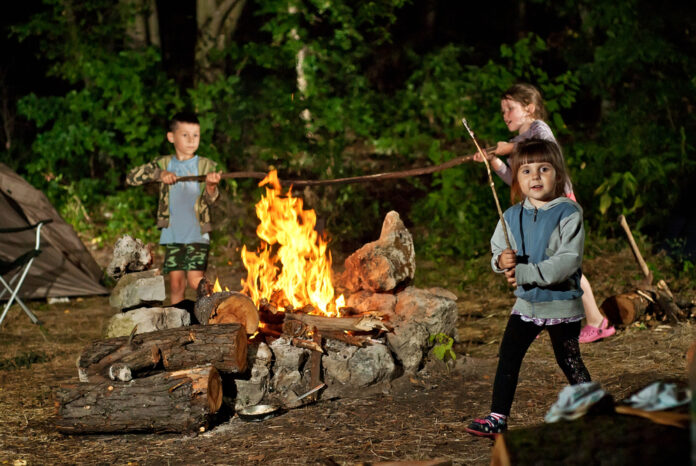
(507,259)
(167,177)
(211,181)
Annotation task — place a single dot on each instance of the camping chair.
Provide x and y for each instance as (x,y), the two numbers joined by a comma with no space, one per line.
(23,264)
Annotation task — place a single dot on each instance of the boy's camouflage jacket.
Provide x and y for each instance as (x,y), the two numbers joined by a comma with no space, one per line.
(151,172)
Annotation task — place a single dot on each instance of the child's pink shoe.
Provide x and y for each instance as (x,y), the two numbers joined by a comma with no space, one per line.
(589,333)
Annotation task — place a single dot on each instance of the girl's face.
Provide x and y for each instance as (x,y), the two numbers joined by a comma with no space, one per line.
(517,117)
(537,182)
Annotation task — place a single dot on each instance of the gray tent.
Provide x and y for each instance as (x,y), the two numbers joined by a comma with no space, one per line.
(65,267)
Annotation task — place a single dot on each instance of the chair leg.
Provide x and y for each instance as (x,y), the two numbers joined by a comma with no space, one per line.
(14,296)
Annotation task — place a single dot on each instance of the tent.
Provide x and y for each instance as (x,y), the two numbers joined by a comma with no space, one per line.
(64,267)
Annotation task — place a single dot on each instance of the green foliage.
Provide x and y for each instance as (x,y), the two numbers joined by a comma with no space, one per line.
(442,346)
(622,59)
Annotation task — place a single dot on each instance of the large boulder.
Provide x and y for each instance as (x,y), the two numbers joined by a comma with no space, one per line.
(138,289)
(382,265)
(355,368)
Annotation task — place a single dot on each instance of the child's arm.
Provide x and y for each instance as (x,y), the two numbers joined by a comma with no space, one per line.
(500,167)
(211,185)
(144,174)
(562,263)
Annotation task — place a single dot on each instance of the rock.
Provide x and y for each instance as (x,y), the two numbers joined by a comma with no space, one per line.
(130,255)
(382,265)
(148,319)
(354,367)
(381,304)
(253,390)
(288,356)
(419,314)
(138,289)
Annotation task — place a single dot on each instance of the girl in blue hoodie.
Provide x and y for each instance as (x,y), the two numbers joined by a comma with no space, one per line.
(543,264)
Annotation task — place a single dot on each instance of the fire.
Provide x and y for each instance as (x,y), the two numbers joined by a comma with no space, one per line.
(293,264)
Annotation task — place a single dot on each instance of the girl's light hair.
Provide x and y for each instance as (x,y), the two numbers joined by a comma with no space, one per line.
(527,94)
(537,151)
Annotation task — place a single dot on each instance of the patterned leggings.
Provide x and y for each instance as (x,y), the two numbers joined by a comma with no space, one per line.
(516,340)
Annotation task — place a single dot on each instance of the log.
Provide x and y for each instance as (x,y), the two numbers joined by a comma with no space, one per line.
(225,307)
(625,308)
(123,358)
(355,324)
(594,440)
(180,401)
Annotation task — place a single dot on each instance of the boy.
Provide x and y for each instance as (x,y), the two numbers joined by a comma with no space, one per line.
(183,212)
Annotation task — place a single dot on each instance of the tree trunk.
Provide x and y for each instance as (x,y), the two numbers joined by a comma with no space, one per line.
(593,440)
(181,401)
(123,358)
(217,20)
(144,28)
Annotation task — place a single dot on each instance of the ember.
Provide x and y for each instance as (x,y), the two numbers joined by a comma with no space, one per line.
(292,267)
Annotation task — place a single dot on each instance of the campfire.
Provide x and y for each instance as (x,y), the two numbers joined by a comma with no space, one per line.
(285,334)
(292,267)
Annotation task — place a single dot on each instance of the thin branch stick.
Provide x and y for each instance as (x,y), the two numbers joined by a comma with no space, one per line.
(490,179)
(355,179)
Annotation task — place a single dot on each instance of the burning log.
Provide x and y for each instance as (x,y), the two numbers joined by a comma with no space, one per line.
(225,307)
(355,324)
(122,358)
(181,401)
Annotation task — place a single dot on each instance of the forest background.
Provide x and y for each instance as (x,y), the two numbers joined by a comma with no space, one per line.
(336,88)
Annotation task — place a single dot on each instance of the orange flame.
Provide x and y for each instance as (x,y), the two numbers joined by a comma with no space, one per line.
(299,272)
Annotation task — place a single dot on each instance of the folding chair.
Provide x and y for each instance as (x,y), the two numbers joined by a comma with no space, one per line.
(23,263)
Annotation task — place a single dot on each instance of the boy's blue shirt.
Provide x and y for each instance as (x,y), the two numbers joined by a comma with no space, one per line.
(549,243)
(183,225)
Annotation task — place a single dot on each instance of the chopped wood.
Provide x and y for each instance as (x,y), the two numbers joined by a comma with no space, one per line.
(225,307)
(180,401)
(307,344)
(323,323)
(624,308)
(355,340)
(121,358)
(315,362)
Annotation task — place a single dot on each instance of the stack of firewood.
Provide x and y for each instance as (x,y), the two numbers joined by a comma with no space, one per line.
(650,303)
(160,381)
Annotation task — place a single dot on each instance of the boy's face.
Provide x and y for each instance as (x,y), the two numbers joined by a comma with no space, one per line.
(185,137)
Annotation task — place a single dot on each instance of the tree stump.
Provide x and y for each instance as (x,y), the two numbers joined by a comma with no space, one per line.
(604,439)
(122,358)
(180,401)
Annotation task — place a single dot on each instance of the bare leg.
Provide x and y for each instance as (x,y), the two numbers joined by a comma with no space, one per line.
(177,284)
(193,277)
(592,314)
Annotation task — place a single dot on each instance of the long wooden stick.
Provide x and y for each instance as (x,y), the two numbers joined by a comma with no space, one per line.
(636,252)
(490,180)
(354,179)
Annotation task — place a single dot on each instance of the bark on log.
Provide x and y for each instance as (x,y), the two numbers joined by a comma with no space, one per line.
(355,324)
(625,308)
(122,358)
(593,440)
(225,307)
(180,401)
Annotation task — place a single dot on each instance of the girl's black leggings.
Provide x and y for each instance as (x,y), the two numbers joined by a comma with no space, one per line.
(516,340)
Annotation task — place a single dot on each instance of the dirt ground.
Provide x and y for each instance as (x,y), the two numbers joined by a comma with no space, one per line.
(423,417)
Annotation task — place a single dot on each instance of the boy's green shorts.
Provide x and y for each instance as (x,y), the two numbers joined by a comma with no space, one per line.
(180,256)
